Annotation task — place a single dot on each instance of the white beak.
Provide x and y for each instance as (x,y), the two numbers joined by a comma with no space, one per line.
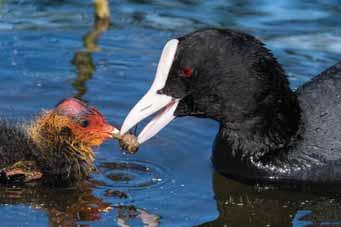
(153,102)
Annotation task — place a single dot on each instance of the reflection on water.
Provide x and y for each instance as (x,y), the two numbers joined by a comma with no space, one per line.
(126,214)
(83,59)
(282,205)
(85,69)
(69,207)
(64,207)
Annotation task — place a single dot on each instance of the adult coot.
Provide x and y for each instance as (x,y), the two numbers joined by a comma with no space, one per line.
(267,131)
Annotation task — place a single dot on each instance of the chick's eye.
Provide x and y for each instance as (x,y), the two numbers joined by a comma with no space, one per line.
(84,123)
(186,72)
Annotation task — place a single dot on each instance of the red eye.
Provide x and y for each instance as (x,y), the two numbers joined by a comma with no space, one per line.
(187,72)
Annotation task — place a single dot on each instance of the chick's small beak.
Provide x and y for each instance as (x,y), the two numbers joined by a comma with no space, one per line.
(116,134)
(112,132)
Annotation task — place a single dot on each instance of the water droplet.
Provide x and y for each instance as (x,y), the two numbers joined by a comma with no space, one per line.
(157,179)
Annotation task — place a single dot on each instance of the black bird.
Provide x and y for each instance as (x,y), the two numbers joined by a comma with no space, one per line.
(267,131)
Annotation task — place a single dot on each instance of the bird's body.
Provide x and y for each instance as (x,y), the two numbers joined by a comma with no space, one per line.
(267,131)
(15,144)
(314,152)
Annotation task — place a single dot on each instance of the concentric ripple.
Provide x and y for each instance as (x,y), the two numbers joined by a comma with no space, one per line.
(133,174)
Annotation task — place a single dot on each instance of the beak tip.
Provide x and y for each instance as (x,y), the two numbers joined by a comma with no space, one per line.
(139,141)
(123,130)
(128,123)
(116,131)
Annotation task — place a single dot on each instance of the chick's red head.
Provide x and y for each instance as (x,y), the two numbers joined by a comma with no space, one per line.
(85,122)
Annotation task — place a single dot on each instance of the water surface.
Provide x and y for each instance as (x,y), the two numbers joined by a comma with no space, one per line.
(170,181)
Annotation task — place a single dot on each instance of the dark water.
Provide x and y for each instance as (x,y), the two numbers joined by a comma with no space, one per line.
(170,181)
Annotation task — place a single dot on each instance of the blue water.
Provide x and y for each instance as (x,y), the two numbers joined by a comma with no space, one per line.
(170,181)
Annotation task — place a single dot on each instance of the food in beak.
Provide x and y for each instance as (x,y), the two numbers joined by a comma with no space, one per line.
(128,142)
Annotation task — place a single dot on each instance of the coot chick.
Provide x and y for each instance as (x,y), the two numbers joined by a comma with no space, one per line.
(56,147)
(267,131)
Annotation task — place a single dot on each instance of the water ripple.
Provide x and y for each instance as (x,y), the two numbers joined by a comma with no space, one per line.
(133,174)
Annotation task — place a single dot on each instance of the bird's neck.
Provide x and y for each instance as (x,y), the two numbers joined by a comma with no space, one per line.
(266,133)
